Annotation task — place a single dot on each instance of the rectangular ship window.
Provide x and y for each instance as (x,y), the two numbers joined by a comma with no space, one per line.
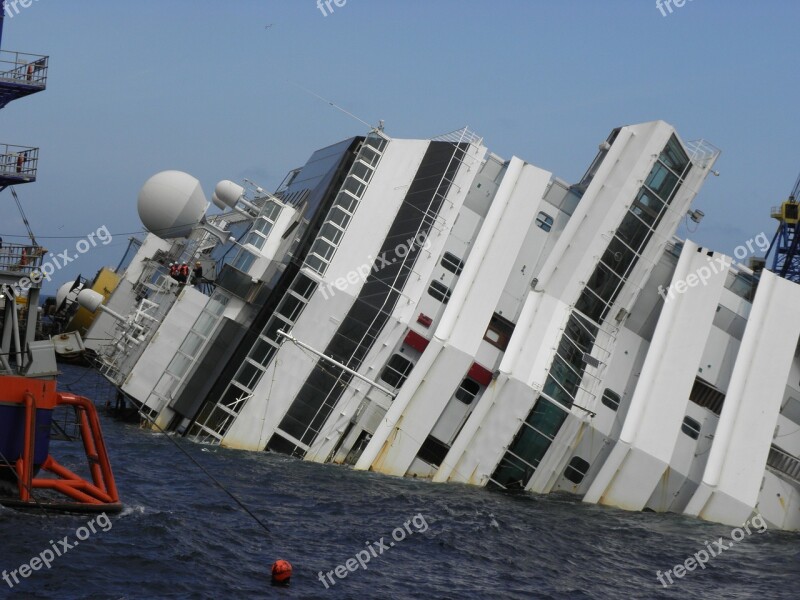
(397,370)
(467,391)
(499,332)
(439,291)
(691,427)
(544,221)
(452,263)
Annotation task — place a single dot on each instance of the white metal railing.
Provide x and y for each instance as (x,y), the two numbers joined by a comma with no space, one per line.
(20,259)
(702,152)
(19,67)
(18,162)
(459,136)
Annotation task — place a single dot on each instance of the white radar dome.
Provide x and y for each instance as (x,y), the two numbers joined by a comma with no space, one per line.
(90,300)
(217,202)
(171,203)
(229,192)
(66,292)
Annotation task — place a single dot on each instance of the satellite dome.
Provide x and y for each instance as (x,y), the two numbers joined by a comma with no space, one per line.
(90,300)
(217,202)
(171,203)
(228,193)
(68,291)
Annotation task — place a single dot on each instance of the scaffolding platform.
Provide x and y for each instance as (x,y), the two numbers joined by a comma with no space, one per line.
(21,75)
(18,164)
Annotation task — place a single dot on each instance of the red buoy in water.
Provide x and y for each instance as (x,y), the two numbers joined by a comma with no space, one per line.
(281,572)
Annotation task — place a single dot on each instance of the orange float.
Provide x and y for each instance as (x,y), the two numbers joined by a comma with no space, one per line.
(26,465)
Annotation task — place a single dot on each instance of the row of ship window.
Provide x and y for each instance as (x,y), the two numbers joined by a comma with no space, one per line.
(397,369)
(578,467)
(455,265)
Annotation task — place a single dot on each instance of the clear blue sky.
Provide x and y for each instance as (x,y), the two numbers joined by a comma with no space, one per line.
(201,86)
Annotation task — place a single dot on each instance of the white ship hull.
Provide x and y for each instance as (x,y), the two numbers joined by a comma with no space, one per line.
(460,317)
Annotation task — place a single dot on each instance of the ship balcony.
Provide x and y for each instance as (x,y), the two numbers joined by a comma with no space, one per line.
(18,261)
(21,75)
(18,164)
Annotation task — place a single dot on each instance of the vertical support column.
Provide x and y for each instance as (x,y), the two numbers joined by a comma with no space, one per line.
(30,326)
(25,473)
(5,345)
(734,472)
(649,436)
(2,18)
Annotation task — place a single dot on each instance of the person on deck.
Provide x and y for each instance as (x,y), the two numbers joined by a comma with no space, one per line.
(197,273)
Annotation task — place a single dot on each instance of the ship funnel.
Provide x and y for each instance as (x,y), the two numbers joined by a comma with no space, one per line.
(229,193)
(171,203)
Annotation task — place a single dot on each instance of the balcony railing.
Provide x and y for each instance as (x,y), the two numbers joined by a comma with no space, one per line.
(20,260)
(18,164)
(702,152)
(22,68)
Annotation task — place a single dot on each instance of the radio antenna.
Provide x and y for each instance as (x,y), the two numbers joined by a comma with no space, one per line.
(336,106)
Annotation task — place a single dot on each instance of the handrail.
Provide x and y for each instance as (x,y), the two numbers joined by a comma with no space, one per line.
(18,161)
(701,151)
(19,258)
(20,67)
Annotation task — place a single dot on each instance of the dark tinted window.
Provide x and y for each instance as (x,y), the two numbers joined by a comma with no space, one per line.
(396,370)
(439,291)
(468,390)
(611,399)
(433,451)
(691,427)
(544,221)
(452,263)
(576,470)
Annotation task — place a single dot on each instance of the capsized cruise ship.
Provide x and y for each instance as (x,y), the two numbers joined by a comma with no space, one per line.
(426,308)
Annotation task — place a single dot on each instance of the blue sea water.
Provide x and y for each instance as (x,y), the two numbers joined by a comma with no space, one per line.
(182,537)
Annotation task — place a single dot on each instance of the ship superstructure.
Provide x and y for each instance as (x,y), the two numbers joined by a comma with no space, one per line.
(427,308)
